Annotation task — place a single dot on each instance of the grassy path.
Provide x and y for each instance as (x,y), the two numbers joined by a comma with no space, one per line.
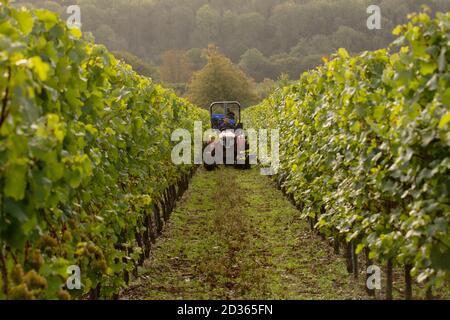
(234,236)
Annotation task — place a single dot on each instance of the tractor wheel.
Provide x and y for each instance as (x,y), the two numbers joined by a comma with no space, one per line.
(246,165)
(209,167)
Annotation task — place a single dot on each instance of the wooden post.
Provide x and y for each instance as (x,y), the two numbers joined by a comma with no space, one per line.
(336,244)
(389,279)
(348,257)
(429,293)
(369,262)
(354,259)
(408,282)
(311,223)
(94,294)
(4,271)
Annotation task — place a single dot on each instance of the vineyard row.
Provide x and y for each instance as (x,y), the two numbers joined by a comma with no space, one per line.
(365,151)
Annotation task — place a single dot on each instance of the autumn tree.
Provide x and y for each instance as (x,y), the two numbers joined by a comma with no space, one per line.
(175,67)
(220,80)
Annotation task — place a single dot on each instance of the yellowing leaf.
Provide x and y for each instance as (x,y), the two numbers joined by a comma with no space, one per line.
(91,129)
(404,49)
(24,20)
(397,30)
(359,248)
(55,126)
(76,32)
(444,120)
(40,67)
(109,131)
(343,53)
(356,127)
(378,112)
(428,68)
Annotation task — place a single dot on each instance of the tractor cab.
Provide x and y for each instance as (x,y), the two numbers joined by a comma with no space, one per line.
(230,146)
(225,115)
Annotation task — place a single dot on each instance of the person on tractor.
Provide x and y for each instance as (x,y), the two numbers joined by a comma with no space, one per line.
(231,115)
(226,124)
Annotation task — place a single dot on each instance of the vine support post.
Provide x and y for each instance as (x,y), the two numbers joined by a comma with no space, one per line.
(4,112)
(408,282)
(370,292)
(4,271)
(311,223)
(429,293)
(389,279)
(354,259)
(336,244)
(348,257)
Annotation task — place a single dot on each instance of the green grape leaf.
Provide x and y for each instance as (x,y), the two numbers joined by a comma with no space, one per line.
(16,181)
(440,257)
(15,210)
(446,98)
(48,17)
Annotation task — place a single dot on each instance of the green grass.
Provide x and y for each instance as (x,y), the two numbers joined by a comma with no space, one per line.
(235,236)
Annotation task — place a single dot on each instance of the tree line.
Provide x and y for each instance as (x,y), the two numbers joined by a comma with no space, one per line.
(166,39)
(266,37)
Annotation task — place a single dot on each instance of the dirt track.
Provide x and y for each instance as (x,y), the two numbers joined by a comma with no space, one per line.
(235,236)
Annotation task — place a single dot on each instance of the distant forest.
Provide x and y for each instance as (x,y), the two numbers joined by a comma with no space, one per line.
(266,38)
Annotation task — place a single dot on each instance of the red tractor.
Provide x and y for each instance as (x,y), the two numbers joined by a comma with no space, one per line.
(228,145)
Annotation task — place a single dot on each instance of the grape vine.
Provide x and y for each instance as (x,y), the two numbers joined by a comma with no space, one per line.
(365,149)
(86,176)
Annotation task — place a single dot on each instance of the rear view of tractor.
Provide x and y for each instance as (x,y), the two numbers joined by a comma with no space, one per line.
(229,145)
